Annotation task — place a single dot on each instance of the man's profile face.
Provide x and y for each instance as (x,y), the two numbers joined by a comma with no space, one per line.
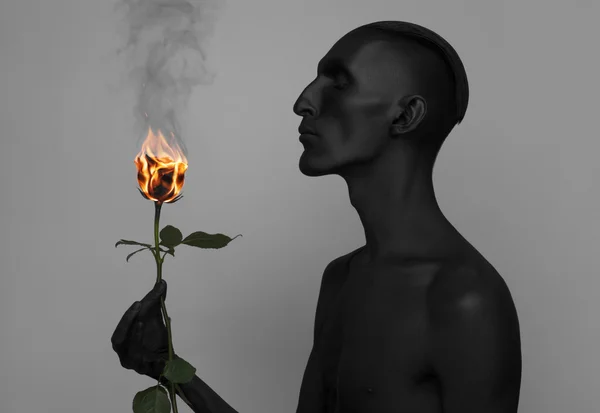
(351,103)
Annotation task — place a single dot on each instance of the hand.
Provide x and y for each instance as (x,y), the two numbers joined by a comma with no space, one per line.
(141,338)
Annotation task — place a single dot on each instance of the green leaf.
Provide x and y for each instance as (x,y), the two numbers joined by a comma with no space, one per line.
(170,236)
(135,252)
(179,371)
(203,240)
(170,251)
(126,242)
(152,400)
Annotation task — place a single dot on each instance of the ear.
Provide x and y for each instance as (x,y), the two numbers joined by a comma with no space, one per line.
(411,112)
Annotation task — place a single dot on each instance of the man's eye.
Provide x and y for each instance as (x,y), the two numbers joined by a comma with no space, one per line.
(340,85)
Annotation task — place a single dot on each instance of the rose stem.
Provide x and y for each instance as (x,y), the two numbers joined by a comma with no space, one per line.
(159,262)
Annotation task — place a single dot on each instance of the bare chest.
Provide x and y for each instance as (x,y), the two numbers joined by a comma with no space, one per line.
(373,346)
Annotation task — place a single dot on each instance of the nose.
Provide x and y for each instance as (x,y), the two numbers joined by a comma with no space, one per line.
(304,105)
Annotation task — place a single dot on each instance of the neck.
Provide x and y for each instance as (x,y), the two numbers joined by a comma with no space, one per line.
(396,203)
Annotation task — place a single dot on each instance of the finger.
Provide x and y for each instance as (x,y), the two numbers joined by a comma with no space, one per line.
(137,337)
(138,333)
(120,333)
(159,289)
(151,302)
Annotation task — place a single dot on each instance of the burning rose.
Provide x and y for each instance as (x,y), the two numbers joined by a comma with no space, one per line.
(161,168)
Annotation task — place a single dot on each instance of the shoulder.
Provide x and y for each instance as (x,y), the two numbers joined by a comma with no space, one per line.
(337,270)
(333,278)
(473,339)
(471,295)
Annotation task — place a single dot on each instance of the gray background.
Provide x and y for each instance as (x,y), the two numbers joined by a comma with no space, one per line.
(519,178)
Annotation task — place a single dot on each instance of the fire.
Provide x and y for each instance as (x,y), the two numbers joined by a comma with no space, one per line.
(161,168)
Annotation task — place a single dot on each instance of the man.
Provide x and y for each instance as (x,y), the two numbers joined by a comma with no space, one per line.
(416,320)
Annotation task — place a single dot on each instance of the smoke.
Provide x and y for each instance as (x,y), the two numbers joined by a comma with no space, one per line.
(164,42)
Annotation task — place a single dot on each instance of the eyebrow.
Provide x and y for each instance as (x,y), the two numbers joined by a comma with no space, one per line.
(331,67)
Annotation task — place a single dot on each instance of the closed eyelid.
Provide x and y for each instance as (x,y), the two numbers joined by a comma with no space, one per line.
(334,69)
(339,77)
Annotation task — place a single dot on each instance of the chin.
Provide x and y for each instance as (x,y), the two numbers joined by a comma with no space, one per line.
(312,167)
(311,171)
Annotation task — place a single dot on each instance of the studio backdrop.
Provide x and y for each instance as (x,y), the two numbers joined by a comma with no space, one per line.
(518,178)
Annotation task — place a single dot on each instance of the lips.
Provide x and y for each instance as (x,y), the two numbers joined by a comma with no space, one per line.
(307,134)
(307,137)
(306,130)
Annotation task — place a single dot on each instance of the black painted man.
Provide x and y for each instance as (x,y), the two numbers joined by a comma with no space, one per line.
(416,320)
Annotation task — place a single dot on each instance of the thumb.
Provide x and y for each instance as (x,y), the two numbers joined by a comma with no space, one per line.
(151,302)
(161,288)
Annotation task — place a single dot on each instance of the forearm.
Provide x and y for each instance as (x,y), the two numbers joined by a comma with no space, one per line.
(200,397)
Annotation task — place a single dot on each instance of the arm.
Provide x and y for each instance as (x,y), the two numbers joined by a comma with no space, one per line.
(475,345)
(200,397)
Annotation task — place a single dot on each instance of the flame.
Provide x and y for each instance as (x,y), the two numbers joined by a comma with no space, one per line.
(161,168)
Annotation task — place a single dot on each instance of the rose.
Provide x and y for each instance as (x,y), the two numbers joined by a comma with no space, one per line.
(161,166)
(161,179)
